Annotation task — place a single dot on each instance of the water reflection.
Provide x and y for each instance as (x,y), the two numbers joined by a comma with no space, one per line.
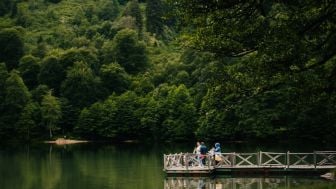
(80,167)
(243,183)
(116,166)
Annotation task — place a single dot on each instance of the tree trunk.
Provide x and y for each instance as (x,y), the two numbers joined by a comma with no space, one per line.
(50,132)
(28,133)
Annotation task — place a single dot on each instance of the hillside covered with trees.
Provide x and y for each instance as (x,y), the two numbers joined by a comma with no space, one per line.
(167,70)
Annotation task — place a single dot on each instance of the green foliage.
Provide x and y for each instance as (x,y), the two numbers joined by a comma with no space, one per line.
(16,98)
(29,69)
(154,17)
(142,85)
(51,112)
(166,113)
(3,77)
(182,117)
(275,65)
(123,2)
(6,6)
(70,115)
(16,93)
(226,70)
(53,1)
(114,78)
(69,57)
(40,50)
(129,52)
(109,10)
(52,73)
(115,118)
(81,86)
(170,113)
(11,47)
(39,92)
(28,122)
(133,9)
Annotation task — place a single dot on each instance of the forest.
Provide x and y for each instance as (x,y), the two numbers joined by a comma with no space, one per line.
(167,70)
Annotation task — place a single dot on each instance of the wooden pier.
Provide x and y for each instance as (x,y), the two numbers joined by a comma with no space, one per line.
(250,163)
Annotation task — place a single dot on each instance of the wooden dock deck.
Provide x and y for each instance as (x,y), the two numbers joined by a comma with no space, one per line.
(251,163)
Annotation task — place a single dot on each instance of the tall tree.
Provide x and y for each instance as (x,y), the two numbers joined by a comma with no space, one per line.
(17,94)
(51,112)
(27,122)
(237,28)
(154,17)
(5,7)
(133,9)
(129,52)
(87,55)
(114,78)
(52,73)
(278,61)
(109,10)
(29,69)
(3,77)
(16,98)
(81,87)
(41,48)
(11,47)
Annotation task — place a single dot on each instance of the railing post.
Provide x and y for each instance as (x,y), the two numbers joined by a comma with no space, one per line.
(260,157)
(209,160)
(187,161)
(233,159)
(315,159)
(287,159)
(164,162)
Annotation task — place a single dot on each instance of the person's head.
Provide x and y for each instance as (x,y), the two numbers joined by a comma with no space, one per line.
(217,145)
(202,143)
(198,143)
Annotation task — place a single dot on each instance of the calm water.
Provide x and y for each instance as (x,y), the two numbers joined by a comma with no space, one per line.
(131,166)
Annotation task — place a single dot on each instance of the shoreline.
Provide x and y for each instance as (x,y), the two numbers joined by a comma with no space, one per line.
(62,141)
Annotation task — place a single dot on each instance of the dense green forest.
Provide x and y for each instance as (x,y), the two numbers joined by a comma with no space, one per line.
(167,70)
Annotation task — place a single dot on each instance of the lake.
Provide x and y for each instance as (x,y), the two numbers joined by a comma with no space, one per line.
(131,166)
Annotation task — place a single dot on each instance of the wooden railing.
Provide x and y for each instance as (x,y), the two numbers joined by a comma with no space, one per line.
(187,161)
(318,159)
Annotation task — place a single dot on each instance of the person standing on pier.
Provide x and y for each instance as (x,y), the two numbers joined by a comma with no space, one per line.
(203,151)
(197,149)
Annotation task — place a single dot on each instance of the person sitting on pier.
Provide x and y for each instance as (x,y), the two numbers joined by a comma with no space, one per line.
(203,151)
(217,153)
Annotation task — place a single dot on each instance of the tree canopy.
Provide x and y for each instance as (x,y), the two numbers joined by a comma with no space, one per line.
(168,70)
